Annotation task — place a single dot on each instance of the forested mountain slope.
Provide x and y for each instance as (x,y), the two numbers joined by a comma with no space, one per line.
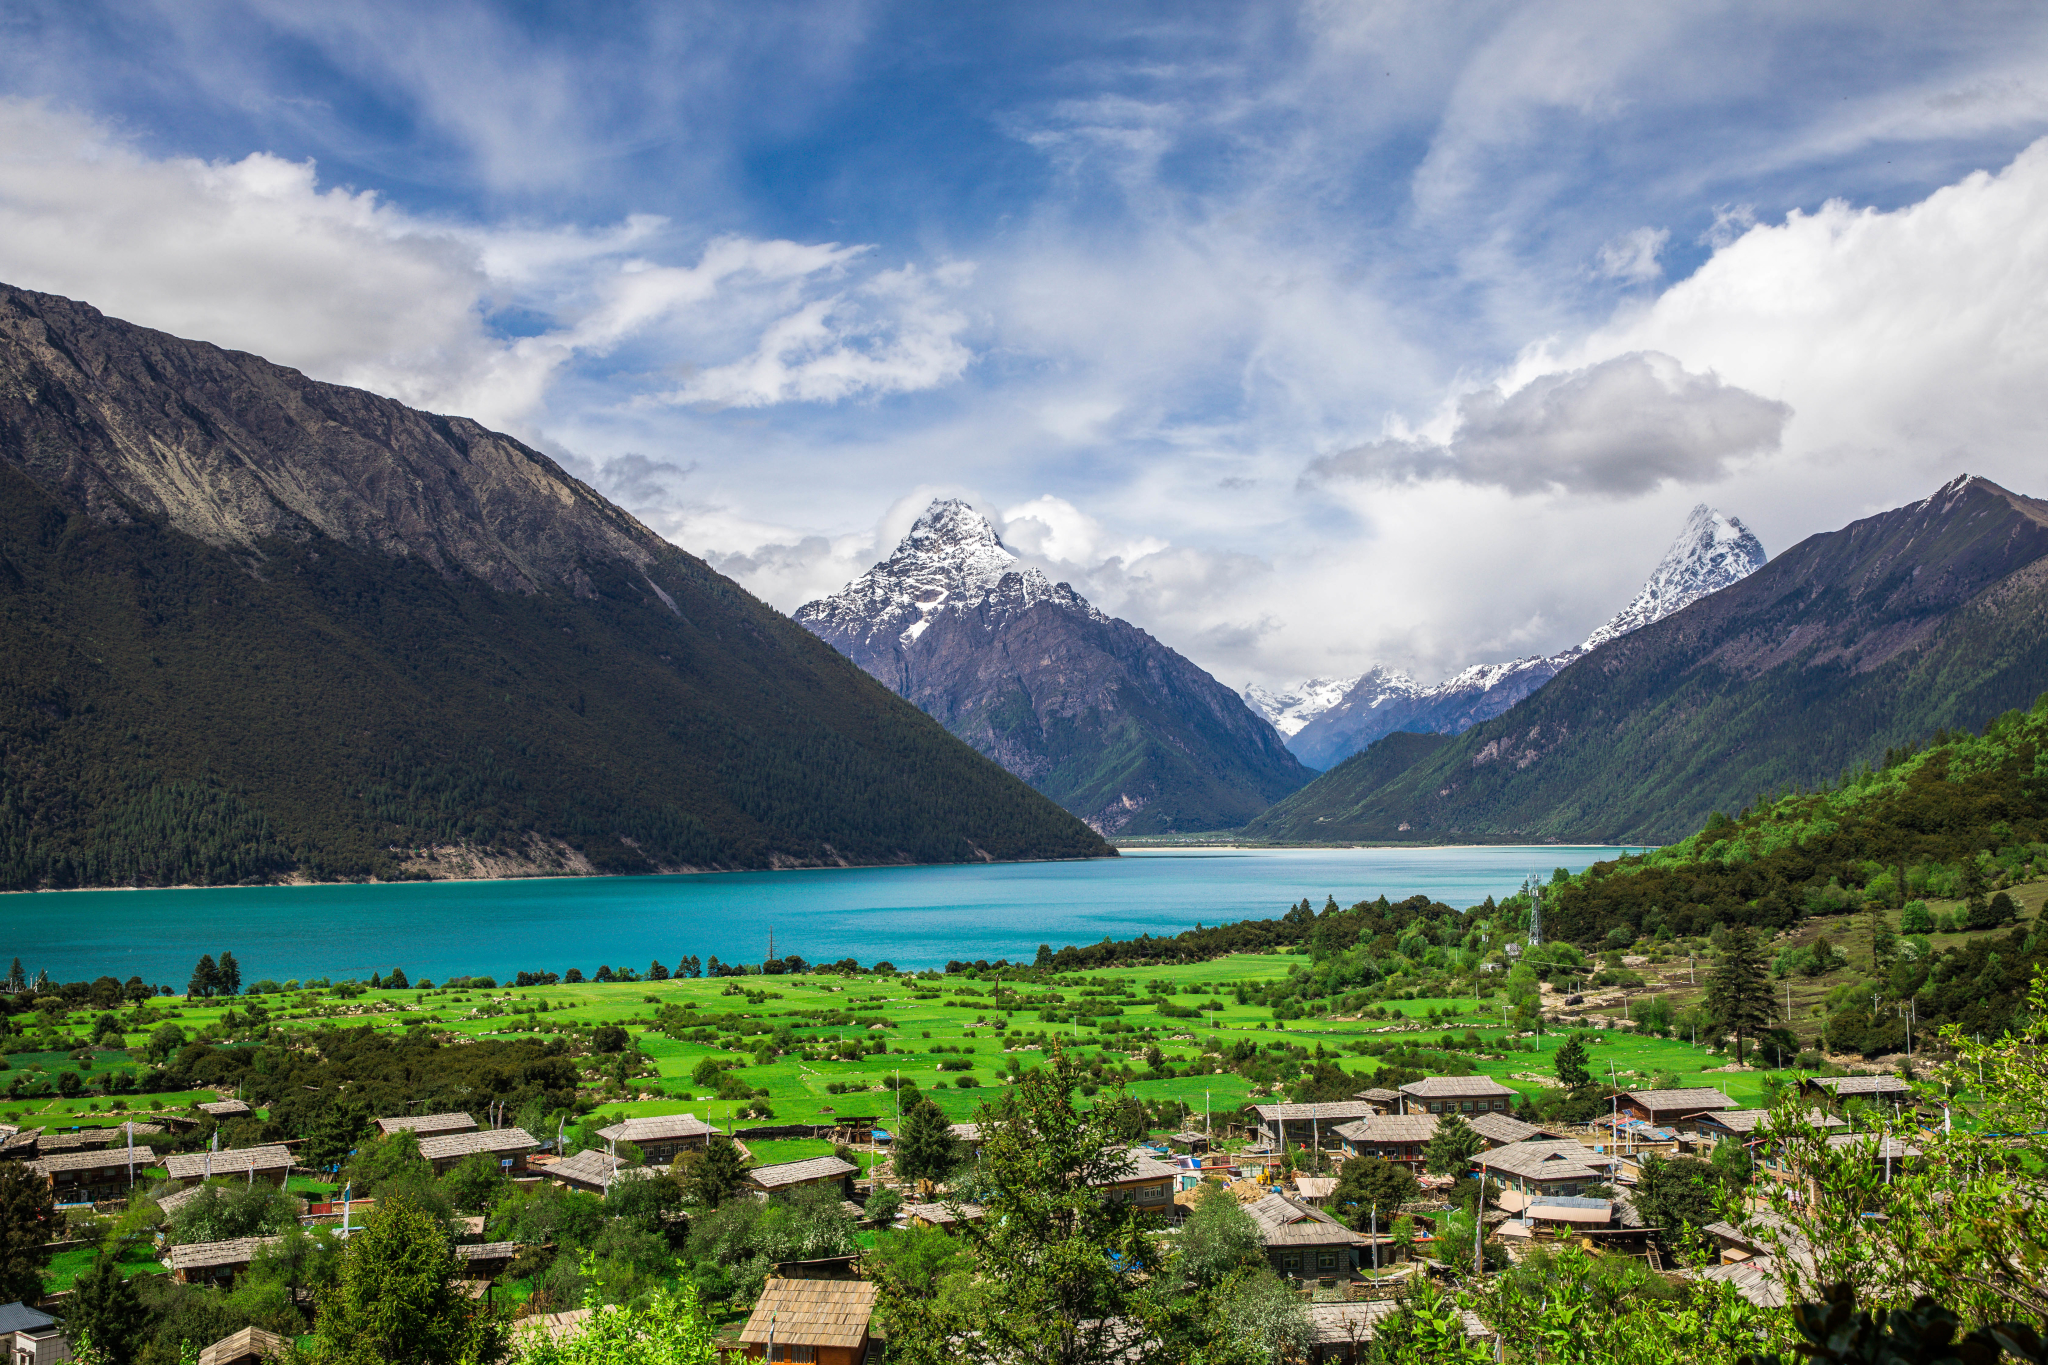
(1854,641)
(1089,709)
(254,626)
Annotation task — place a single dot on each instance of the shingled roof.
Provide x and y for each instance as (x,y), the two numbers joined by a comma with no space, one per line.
(1285,1222)
(99,1160)
(593,1167)
(1692,1100)
(1504,1130)
(233,1161)
(812,1313)
(1389,1128)
(658,1128)
(1335,1111)
(427,1125)
(226,1109)
(1749,1120)
(1861,1085)
(491,1141)
(1455,1088)
(203,1255)
(1545,1161)
(800,1172)
(250,1341)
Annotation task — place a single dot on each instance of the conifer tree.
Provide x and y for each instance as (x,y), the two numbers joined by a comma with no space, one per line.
(924,1149)
(205,979)
(230,975)
(17,980)
(1739,991)
(105,1312)
(1571,1064)
(28,1222)
(715,1175)
(1451,1147)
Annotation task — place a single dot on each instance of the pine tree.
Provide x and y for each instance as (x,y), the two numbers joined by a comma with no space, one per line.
(924,1149)
(105,1311)
(1451,1147)
(1739,991)
(1571,1064)
(230,975)
(716,1174)
(28,1221)
(205,980)
(17,980)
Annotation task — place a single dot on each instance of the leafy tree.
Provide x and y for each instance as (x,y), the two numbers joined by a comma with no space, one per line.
(713,1175)
(106,1313)
(334,1135)
(707,1073)
(1053,1255)
(395,1298)
(225,1210)
(1451,1147)
(1884,944)
(671,1328)
(1369,1188)
(1428,1325)
(205,980)
(476,1183)
(1219,1239)
(387,1161)
(924,1148)
(1570,1063)
(609,1038)
(137,990)
(1739,991)
(1681,1194)
(883,1206)
(28,1220)
(228,975)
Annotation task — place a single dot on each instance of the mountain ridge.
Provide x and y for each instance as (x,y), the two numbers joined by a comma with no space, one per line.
(1091,710)
(1851,642)
(255,627)
(1711,551)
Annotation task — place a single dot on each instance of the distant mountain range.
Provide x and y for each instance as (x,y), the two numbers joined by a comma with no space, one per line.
(1090,710)
(1325,721)
(1854,641)
(256,627)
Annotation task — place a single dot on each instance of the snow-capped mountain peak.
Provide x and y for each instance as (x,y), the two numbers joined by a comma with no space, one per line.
(950,558)
(1713,550)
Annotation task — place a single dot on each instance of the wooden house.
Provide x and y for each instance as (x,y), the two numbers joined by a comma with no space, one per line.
(89,1176)
(591,1170)
(794,1175)
(1675,1109)
(941,1216)
(215,1262)
(223,1110)
(661,1137)
(1385,1100)
(1889,1091)
(1499,1130)
(1147,1183)
(1307,1124)
(427,1125)
(1466,1095)
(824,1322)
(272,1163)
(1528,1171)
(486,1260)
(1389,1137)
(509,1146)
(1303,1242)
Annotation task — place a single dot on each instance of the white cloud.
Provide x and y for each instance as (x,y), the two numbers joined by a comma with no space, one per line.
(1633,255)
(258,255)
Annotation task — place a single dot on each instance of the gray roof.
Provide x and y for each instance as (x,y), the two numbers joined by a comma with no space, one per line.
(19,1317)
(226,1109)
(1504,1130)
(941,1215)
(99,1160)
(1861,1085)
(588,1167)
(1380,1094)
(426,1125)
(235,1160)
(178,1198)
(969,1132)
(1144,1166)
(1893,1147)
(1694,1099)
(200,1255)
(488,1251)
(658,1127)
(1390,1128)
(1338,1110)
(799,1172)
(1285,1222)
(1454,1088)
(1545,1161)
(1749,1120)
(491,1141)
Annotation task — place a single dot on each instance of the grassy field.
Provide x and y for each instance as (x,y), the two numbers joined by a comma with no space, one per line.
(938,1031)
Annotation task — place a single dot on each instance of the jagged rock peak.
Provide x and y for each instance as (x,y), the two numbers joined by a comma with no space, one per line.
(1713,550)
(950,558)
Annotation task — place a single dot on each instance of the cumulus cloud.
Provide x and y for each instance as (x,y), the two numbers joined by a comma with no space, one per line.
(1616,428)
(258,255)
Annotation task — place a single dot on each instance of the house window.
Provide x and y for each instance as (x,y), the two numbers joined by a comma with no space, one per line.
(1466,1106)
(1326,1260)
(1500,1104)
(1435,1108)
(1291,1261)
(800,1353)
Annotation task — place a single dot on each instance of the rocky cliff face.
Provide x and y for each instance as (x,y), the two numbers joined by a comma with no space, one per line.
(1712,551)
(1849,643)
(255,626)
(1089,709)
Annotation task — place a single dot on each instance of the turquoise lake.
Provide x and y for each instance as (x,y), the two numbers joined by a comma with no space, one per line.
(911,916)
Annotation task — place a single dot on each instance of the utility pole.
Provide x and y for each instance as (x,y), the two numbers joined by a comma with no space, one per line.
(1535,911)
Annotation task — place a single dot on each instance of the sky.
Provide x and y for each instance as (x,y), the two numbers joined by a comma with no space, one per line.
(1307,337)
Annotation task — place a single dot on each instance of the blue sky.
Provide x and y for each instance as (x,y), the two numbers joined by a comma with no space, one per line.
(1308,337)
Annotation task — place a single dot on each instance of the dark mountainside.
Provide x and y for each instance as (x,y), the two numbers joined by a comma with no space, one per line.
(1089,709)
(254,626)
(1852,642)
